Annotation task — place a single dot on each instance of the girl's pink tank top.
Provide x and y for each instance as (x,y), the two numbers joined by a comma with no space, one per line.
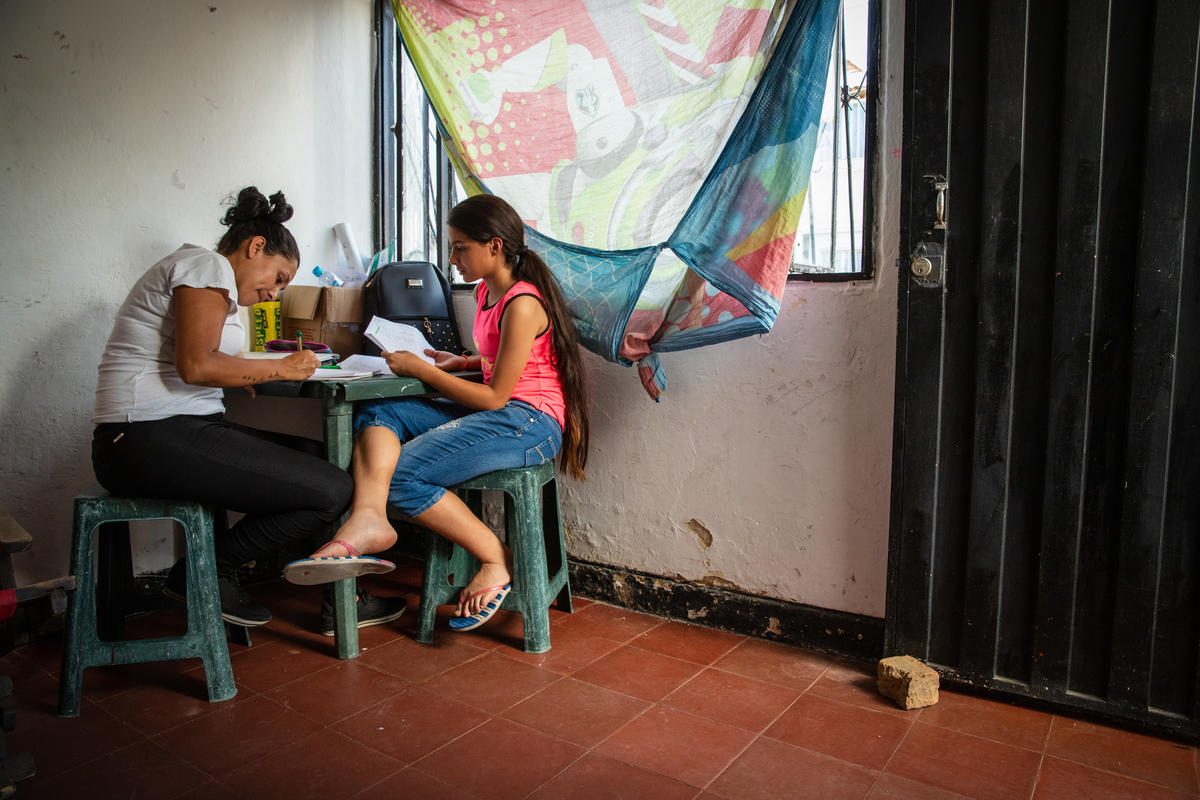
(539,384)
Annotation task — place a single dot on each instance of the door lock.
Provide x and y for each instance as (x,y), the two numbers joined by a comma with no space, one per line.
(927,264)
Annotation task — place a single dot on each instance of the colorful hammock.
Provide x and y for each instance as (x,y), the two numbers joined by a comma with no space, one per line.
(658,150)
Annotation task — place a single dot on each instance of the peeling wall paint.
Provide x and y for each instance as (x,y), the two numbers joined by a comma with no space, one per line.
(702,534)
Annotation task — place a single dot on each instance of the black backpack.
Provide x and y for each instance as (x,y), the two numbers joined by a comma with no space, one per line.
(416,293)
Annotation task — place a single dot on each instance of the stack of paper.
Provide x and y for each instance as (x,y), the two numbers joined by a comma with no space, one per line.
(352,368)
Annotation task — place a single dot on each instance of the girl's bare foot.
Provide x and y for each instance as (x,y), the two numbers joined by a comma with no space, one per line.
(490,575)
(367,531)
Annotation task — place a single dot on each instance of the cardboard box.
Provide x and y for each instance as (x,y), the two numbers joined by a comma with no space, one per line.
(324,314)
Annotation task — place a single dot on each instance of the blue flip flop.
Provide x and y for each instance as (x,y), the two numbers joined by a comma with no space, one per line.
(473,621)
(311,571)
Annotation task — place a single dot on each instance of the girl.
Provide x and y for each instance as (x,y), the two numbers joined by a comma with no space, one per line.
(158,414)
(530,404)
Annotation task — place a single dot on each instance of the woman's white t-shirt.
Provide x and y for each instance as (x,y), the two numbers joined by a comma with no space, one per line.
(138,380)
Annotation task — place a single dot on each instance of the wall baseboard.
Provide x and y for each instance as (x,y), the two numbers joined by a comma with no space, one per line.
(837,632)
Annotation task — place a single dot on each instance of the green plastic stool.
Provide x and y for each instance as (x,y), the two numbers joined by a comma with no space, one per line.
(532,528)
(205,637)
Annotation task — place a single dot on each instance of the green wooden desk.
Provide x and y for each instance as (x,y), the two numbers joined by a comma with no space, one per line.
(337,416)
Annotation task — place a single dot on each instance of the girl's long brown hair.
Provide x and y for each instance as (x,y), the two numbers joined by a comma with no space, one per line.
(485,216)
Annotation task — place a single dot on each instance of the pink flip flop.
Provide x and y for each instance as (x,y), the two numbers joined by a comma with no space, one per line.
(473,621)
(310,571)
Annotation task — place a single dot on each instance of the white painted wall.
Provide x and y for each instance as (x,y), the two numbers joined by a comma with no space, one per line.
(765,467)
(126,122)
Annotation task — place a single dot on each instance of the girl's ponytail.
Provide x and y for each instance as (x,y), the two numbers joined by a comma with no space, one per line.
(570,365)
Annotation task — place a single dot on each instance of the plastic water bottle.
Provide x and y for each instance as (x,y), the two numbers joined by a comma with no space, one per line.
(326,278)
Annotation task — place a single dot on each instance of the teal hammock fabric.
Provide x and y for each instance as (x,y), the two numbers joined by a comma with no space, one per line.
(659,151)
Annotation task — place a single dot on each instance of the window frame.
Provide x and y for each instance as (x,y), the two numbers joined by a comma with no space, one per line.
(386,144)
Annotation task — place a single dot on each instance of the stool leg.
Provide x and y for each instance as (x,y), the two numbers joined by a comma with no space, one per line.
(523,522)
(238,634)
(204,602)
(444,560)
(438,552)
(80,635)
(115,568)
(556,546)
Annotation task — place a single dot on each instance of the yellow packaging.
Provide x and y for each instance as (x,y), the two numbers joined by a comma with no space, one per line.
(267,321)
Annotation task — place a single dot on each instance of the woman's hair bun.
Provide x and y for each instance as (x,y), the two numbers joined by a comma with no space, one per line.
(281,210)
(253,205)
(252,214)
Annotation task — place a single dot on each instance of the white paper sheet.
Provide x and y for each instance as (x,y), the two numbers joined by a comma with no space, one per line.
(394,336)
(372,364)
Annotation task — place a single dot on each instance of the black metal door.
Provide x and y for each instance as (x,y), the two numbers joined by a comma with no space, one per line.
(1046,491)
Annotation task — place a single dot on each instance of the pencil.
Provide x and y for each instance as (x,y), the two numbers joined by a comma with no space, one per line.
(299,342)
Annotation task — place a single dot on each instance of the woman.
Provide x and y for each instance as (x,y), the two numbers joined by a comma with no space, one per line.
(530,404)
(159,427)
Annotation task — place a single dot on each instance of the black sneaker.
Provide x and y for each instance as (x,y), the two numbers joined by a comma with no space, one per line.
(238,607)
(371,610)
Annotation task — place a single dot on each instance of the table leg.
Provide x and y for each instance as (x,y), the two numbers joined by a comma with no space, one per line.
(338,417)
(345,611)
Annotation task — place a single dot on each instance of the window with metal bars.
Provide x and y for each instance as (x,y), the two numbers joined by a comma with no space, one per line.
(417,186)
(833,238)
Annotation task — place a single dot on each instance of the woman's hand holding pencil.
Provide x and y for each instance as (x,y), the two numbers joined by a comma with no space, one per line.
(298,366)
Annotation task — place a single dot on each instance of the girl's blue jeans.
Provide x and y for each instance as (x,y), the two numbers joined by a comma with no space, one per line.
(444,443)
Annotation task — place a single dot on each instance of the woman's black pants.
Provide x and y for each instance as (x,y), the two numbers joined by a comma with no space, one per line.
(288,492)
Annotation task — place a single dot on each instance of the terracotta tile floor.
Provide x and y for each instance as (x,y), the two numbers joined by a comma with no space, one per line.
(624,706)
